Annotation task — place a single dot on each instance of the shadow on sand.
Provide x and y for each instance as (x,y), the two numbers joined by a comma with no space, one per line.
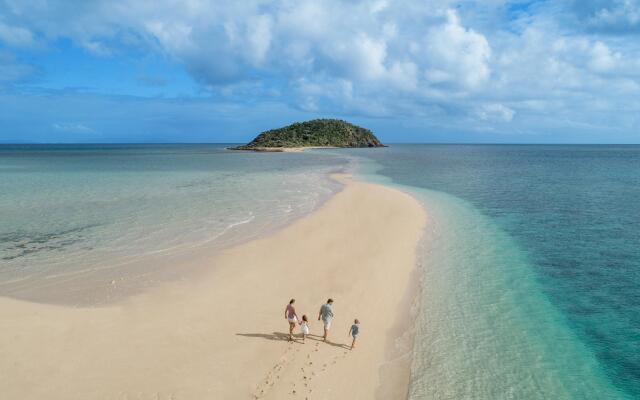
(282,336)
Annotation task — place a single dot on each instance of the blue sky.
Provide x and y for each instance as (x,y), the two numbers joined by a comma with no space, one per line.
(412,71)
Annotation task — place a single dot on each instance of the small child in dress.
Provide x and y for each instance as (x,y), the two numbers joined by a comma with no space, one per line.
(304,327)
(353,331)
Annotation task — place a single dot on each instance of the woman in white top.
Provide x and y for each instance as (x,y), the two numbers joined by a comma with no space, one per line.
(291,317)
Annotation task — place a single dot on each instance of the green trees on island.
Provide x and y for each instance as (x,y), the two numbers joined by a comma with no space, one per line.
(314,133)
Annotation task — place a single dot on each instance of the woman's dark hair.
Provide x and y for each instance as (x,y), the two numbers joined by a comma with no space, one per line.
(330,301)
(292,301)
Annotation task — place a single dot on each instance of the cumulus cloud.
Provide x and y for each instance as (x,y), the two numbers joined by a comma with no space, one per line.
(221,42)
(602,58)
(488,60)
(457,55)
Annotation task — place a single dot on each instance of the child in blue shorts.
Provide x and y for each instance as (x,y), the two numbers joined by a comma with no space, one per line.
(353,332)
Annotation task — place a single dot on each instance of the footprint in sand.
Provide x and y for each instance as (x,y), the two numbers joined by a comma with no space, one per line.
(270,380)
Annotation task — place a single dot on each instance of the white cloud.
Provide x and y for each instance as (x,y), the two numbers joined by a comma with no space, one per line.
(361,56)
(72,127)
(457,55)
(602,58)
(259,38)
(16,36)
(373,57)
(310,20)
(496,112)
(378,6)
(174,37)
(404,75)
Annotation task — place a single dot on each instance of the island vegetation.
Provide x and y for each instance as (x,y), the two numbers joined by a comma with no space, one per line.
(314,133)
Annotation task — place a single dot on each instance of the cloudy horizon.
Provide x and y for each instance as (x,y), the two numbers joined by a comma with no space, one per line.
(491,71)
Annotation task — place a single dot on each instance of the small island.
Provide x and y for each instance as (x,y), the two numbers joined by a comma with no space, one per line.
(313,134)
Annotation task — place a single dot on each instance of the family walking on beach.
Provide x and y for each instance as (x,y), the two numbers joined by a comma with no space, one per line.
(325,314)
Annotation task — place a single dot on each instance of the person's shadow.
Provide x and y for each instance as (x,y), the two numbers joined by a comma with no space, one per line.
(282,336)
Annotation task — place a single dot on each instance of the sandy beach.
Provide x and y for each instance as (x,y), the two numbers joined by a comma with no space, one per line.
(221,334)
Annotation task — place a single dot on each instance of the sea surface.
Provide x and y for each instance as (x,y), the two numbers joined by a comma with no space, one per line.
(531,269)
(530,263)
(72,209)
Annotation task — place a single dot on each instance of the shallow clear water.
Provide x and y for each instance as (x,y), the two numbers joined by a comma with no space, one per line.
(67,209)
(530,263)
(531,269)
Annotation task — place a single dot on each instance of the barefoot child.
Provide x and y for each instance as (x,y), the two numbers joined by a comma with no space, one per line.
(355,329)
(304,327)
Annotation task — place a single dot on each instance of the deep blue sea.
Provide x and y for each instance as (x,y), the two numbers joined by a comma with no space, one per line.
(530,263)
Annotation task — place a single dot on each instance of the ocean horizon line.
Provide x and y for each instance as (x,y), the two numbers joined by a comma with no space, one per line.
(237,143)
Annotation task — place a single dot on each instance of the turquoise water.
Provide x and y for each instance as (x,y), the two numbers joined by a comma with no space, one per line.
(530,262)
(531,269)
(72,209)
